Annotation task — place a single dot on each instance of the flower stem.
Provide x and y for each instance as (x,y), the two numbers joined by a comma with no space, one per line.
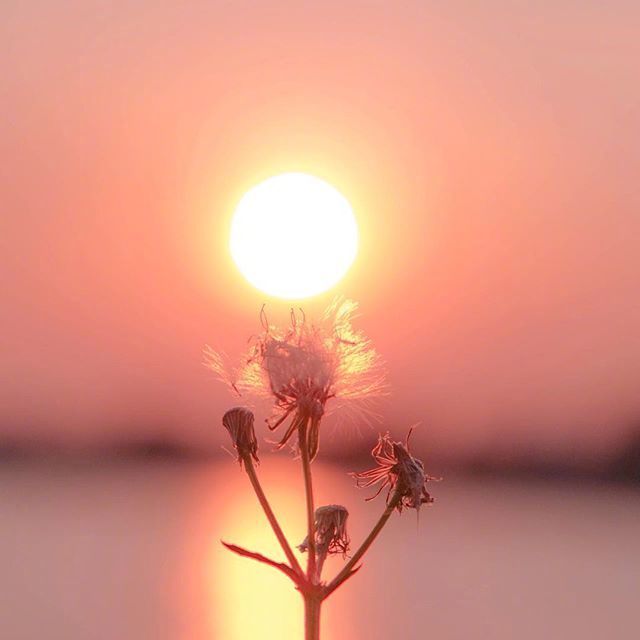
(312,606)
(348,568)
(255,483)
(308,486)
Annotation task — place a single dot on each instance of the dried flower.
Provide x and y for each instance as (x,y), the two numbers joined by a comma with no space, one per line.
(304,365)
(398,470)
(331,529)
(331,533)
(239,423)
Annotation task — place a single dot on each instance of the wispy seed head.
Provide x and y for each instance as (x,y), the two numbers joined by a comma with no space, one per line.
(305,365)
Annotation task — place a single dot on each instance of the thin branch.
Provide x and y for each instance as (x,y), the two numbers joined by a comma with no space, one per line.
(308,486)
(325,593)
(257,487)
(287,570)
(348,569)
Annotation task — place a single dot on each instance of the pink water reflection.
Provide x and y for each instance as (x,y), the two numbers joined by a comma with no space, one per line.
(131,551)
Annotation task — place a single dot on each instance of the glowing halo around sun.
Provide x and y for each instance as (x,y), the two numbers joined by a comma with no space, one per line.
(293,236)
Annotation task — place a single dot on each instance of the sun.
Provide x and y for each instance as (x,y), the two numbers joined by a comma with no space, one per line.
(293,236)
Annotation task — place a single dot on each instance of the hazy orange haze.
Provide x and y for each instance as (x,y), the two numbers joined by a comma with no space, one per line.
(490,151)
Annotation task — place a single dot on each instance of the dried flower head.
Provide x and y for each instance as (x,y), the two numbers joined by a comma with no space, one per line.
(331,530)
(331,534)
(304,365)
(398,470)
(239,423)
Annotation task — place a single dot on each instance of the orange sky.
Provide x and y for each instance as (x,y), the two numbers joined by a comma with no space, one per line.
(490,151)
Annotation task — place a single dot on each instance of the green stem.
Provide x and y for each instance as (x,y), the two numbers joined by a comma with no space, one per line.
(253,477)
(348,568)
(308,487)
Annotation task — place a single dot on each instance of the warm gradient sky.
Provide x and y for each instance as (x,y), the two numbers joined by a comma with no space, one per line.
(490,151)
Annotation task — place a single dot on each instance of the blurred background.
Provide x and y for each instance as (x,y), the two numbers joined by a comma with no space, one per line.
(490,152)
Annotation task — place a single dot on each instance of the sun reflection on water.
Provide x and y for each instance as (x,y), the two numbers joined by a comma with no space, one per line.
(251,600)
(248,600)
(255,601)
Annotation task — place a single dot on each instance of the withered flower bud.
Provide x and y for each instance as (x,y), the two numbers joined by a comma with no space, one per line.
(398,470)
(239,423)
(331,533)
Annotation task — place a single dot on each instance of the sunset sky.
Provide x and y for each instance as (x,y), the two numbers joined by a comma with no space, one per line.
(490,153)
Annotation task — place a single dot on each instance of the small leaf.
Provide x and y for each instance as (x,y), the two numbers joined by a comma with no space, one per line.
(286,569)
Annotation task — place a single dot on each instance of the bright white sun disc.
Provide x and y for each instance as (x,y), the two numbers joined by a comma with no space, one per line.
(293,236)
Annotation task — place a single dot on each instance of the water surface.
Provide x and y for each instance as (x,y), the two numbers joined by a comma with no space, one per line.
(131,551)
